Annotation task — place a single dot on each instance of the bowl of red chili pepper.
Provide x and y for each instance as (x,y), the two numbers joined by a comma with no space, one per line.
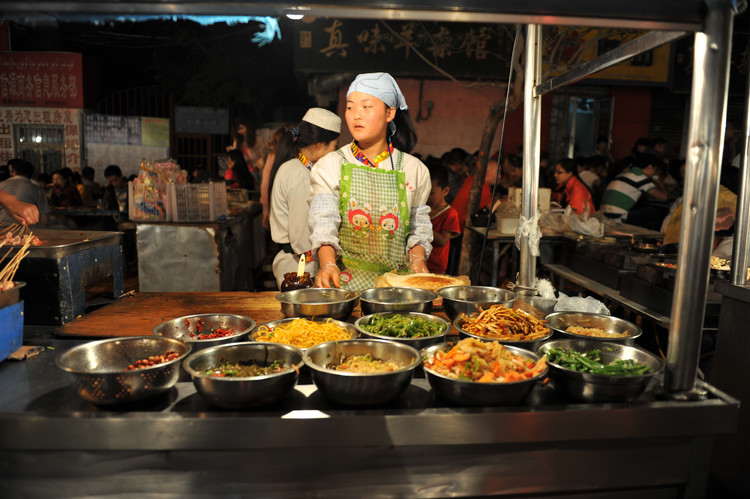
(244,374)
(122,370)
(206,330)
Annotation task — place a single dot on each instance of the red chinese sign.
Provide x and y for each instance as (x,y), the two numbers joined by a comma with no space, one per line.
(43,79)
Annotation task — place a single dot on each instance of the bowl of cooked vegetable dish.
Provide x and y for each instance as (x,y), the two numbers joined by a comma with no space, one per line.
(467,300)
(594,327)
(505,325)
(304,333)
(396,299)
(336,303)
(244,374)
(206,330)
(119,370)
(411,328)
(475,372)
(362,371)
(596,371)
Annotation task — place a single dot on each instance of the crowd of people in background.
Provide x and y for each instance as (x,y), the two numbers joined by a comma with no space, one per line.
(644,188)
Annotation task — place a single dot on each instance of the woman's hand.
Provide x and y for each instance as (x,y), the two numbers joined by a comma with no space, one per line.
(417,260)
(328,276)
(419,266)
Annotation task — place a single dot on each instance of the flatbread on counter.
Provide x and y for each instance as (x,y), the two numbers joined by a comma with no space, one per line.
(432,282)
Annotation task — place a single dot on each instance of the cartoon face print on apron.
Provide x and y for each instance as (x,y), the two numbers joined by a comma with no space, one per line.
(374,222)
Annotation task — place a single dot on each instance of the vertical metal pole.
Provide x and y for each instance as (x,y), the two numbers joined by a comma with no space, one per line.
(532,117)
(740,256)
(703,163)
(573,118)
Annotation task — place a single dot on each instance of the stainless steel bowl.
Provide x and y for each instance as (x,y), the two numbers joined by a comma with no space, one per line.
(474,393)
(532,345)
(601,387)
(353,333)
(560,321)
(361,388)
(467,300)
(318,302)
(98,370)
(417,343)
(375,300)
(233,392)
(182,328)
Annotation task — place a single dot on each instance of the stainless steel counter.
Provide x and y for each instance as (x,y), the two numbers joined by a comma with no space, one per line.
(54,444)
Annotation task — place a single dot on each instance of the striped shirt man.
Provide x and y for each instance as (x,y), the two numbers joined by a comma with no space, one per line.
(625,190)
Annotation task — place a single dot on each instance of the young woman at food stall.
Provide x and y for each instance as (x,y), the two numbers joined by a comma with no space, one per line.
(237,175)
(570,190)
(296,152)
(368,213)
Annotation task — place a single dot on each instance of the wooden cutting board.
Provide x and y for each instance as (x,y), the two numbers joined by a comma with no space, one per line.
(136,315)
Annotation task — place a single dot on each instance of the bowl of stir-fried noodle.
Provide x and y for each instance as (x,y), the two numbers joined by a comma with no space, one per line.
(362,372)
(458,300)
(244,374)
(505,325)
(475,372)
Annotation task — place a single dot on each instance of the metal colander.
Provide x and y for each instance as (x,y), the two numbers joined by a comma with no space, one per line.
(98,370)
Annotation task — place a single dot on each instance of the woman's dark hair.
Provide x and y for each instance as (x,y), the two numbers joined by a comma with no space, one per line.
(405,137)
(289,145)
(64,172)
(249,133)
(241,172)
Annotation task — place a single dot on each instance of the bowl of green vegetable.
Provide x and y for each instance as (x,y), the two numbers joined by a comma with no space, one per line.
(596,371)
(237,375)
(412,328)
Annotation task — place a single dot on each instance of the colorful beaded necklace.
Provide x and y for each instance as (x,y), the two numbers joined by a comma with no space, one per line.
(360,156)
(303,159)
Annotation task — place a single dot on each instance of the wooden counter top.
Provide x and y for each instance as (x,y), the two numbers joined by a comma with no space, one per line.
(139,313)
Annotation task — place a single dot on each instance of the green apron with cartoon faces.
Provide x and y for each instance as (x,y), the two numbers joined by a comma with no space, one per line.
(374,222)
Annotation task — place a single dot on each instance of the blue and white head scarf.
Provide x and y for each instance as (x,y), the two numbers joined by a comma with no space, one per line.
(382,86)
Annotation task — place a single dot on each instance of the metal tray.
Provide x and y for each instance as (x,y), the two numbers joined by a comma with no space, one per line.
(61,243)
(10,296)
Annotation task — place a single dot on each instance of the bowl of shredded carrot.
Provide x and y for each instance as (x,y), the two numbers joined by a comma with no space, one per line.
(505,325)
(475,372)
(303,333)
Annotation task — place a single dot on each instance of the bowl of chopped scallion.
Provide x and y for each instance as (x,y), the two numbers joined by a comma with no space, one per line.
(596,371)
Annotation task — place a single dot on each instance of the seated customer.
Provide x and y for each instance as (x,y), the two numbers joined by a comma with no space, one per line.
(570,190)
(444,220)
(20,186)
(116,193)
(626,189)
(64,192)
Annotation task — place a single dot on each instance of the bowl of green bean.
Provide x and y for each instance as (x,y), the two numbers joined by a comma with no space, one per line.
(415,329)
(597,371)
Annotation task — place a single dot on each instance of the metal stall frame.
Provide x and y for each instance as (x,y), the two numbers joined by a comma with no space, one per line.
(710,20)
